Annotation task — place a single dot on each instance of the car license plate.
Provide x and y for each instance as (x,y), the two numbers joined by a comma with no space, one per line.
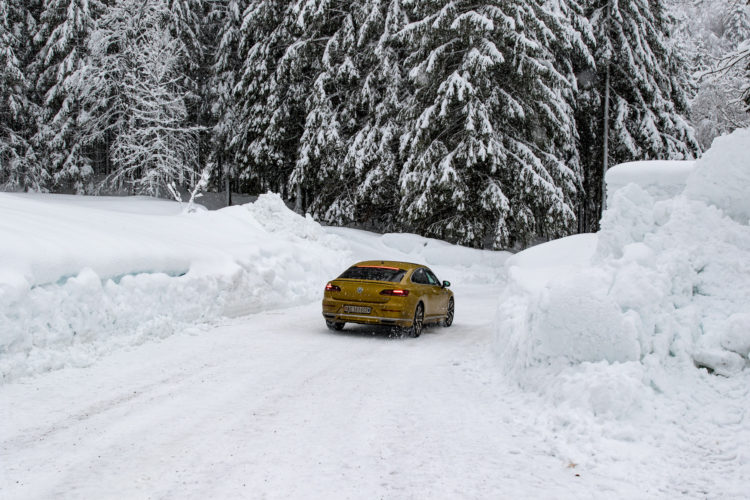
(357,309)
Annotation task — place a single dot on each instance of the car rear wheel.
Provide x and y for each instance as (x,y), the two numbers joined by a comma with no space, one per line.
(334,325)
(448,321)
(418,323)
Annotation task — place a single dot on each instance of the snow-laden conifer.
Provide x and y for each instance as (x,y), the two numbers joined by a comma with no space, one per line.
(272,83)
(226,15)
(487,151)
(19,165)
(638,102)
(371,166)
(191,23)
(132,92)
(737,63)
(62,34)
(648,82)
(321,146)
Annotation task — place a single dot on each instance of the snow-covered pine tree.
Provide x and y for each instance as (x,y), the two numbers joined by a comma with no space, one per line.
(736,21)
(369,172)
(187,20)
(272,85)
(19,166)
(648,88)
(62,33)
(307,85)
(331,40)
(132,91)
(573,47)
(226,15)
(488,144)
(297,97)
(327,37)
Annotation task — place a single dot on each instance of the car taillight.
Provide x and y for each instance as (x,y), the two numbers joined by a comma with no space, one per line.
(330,287)
(396,293)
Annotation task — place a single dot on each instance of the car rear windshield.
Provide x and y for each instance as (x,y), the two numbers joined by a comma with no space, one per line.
(374,273)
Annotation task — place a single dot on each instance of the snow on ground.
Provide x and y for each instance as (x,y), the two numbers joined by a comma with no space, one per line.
(610,328)
(184,355)
(82,275)
(668,278)
(125,204)
(471,265)
(660,178)
(76,280)
(275,405)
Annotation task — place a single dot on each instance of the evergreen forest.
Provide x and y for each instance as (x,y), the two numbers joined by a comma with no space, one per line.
(488,124)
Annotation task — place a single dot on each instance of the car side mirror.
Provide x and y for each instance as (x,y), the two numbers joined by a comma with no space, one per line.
(446,284)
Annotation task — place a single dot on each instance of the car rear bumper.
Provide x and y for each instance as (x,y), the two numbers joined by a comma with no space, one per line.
(381,314)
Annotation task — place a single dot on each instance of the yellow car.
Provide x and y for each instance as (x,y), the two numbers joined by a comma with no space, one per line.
(399,294)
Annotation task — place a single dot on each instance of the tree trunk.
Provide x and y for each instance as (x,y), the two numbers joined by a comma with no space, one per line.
(605,148)
(298,199)
(227,184)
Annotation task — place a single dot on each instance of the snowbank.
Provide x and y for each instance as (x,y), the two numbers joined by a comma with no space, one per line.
(450,262)
(725,183)
(667,288)
(77,279)
(80,276)
(660,178)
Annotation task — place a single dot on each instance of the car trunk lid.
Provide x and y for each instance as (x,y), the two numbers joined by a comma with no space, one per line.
(362,290)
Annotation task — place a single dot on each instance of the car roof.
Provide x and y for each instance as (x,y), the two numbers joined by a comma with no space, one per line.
(389,263)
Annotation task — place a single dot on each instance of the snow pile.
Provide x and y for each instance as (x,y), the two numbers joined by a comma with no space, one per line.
(77,279)
(660,178)
(606,331)
(726,183)
(667,288)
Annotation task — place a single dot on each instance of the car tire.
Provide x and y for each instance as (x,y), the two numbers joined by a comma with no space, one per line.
(418,324)
(335,325)
(448,321)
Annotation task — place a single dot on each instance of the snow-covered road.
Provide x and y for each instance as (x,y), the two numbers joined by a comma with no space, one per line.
(275,405)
